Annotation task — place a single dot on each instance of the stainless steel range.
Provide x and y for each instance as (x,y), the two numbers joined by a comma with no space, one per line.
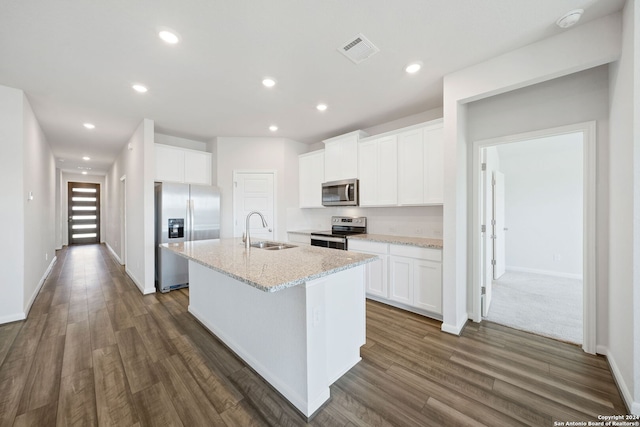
(341,227)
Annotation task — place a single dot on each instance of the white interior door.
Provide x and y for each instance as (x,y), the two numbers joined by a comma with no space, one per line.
(254,191)
(487,212)
(498,226)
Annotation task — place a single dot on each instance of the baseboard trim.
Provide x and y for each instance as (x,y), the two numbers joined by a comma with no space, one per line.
(142,289)
(457,328)
(627,395)
(27,308)
(545,272)
(12,318)
(113,253)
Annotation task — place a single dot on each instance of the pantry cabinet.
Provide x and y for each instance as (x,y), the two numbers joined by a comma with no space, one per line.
(311,177)
(175,164)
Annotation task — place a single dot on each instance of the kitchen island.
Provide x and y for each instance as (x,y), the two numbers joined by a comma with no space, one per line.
(296,316)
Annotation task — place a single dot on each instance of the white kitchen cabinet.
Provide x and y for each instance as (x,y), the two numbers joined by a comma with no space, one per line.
(420,165)
(427,285)
(341,156)
(415,277)
(174,164)
(378,171)
(311,177)
(401,279)
(169,163)
(434,164)
(376,277)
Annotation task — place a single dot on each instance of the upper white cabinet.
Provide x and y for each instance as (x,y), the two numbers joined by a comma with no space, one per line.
(341,156)
(420,165)
(311,177)
(378,171)
(176,164)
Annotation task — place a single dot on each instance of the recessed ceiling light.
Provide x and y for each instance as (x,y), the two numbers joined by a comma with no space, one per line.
(273,128)
(570,18)
(321,107)
(269,82)
(169,36)
(86,158)
(139,88)
(89,125)
(413,68)
(84,172)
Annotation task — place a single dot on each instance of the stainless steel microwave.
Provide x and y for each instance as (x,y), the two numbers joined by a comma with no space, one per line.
(340,193)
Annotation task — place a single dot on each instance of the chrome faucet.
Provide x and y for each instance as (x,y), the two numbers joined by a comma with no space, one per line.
(247,239)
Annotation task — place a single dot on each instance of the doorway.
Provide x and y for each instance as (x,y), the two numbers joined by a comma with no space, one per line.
(83,212)
(254,191)
(525,225)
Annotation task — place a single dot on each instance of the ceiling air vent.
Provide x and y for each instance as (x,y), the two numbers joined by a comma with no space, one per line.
(358,48)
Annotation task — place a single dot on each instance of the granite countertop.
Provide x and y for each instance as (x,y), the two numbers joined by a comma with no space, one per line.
(305,232)
(421,242)
(268,270)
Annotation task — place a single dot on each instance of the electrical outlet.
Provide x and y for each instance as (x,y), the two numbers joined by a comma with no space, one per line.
(557,257)
(46,256)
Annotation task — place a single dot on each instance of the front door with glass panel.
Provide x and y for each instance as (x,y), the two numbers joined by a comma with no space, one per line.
(84,213)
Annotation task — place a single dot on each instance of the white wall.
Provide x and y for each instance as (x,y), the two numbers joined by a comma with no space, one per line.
(624,250)
(64,198)
(137,162)
(544,204)
(39,228)
(279,154)
(583,47)
(176,141)
(12,201)
(114,208)
(26,165)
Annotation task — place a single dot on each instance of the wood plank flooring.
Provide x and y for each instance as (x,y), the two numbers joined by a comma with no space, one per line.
(94,351)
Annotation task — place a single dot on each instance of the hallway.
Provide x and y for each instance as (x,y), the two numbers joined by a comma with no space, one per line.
(94,351)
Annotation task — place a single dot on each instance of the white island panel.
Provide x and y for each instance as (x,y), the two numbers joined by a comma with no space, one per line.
(300,339)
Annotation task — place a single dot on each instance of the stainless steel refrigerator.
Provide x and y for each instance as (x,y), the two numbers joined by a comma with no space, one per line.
(184,212)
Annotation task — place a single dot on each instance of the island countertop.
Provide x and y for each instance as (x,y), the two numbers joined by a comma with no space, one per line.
(267,270)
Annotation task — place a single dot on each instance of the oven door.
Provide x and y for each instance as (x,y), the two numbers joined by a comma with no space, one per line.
(329,242)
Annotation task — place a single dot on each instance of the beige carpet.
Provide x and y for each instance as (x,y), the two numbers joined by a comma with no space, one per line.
(545,305)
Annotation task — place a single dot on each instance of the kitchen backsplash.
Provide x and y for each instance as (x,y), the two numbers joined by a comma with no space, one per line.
(423,221)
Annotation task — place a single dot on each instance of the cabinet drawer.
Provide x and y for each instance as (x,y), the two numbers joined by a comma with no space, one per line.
(362,245)
(416,252)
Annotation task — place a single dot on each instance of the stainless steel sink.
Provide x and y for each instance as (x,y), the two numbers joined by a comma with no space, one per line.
(272,246)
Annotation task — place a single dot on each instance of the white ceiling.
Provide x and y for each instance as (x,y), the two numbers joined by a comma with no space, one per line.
(76,61)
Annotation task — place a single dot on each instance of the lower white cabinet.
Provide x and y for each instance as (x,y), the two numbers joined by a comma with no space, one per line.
(401,279)
(416,282)
(376,272)
(408,276)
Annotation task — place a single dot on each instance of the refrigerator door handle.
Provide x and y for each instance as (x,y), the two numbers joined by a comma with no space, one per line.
(192,219)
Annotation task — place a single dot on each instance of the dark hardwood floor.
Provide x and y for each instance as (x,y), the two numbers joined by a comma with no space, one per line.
(94,351)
